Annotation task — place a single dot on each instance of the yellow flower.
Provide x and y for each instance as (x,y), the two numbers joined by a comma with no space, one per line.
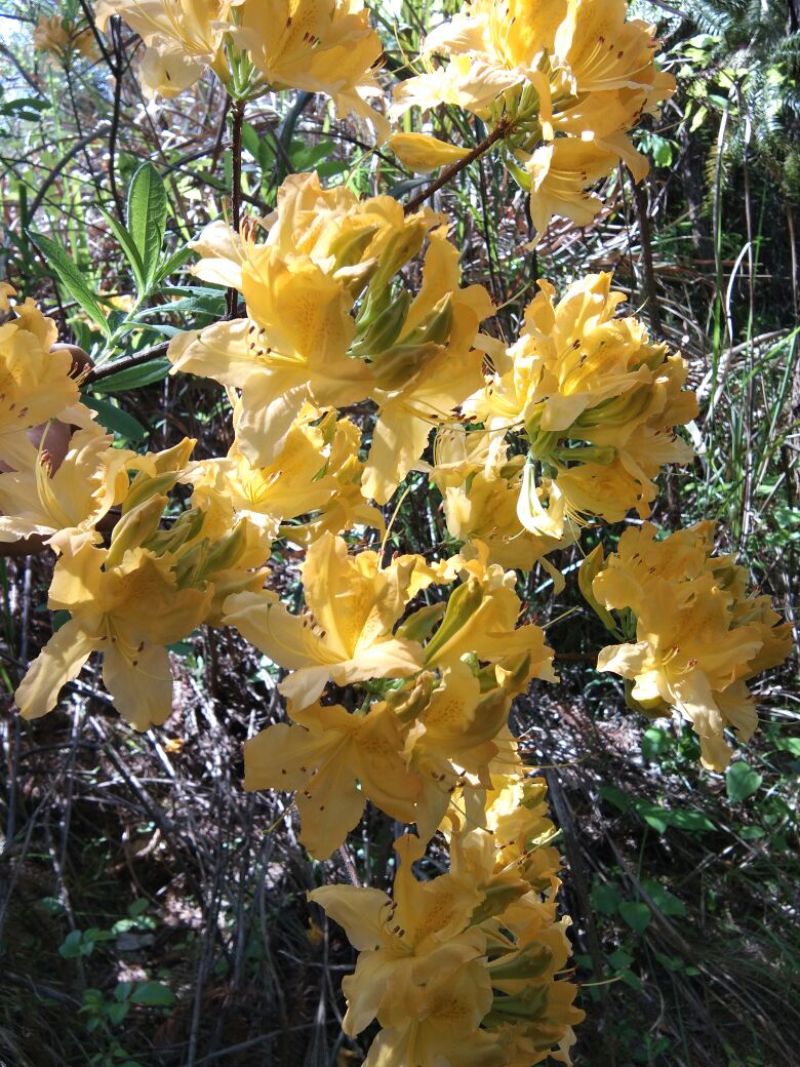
(442,1016)
(182,38)
(321,46)
(481,619)
(562,172)
(35,383)
(426,376)
(598,403)
(571,73)
(600,51)
(347,637)
(302,343)
(698,635)
(129,613)
(404,943)
(480,502)
(423,153)
(303,478)
(50,35)
(336,761)
(90,480)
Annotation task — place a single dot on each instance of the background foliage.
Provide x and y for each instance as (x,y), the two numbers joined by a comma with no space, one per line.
(150,912)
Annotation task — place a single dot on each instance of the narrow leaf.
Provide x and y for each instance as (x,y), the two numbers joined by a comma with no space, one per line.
(147,217)
(129,248)
(71,278)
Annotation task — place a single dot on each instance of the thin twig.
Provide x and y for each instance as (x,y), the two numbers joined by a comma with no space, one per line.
(108,370)
(497,134)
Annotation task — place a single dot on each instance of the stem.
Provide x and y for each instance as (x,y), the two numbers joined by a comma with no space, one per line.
(648,269)
(497,134)
(118,365)
(237,111)
(116,39)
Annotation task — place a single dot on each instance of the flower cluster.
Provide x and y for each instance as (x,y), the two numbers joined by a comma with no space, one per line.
(694,635)
(59,37)
(563,81)
(593,402)
(464,966)
(359,364)
(320,46)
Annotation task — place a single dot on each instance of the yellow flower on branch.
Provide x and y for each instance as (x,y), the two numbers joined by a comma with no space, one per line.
(182,38)
(69,500)
(129,613)
(597,401)
(336,761)
(305,341)
(699,636)
(347,636)
(321,46)
(561,81)
(405,942)
(432,368)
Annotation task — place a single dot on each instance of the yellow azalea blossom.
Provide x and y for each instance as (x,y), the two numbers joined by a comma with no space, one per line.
(347,637)
(291,352)
(129,613)
(441,1020)
(182,38)
(601,51)
(698,636)
(71,499)
(320,46)
(567,79)
(482,619)
(404,942)
(562,172)
(422,153)
(458,730)
(37,384)
(51,35)
(300,287)
(581,373)
(438,376)
(302,479)
(480,503)
(336,761)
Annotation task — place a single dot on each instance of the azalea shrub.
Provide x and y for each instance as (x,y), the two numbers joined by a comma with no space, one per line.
(357,366)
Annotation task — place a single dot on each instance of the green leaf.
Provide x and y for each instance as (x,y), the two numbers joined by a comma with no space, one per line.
(115,419)
(116,1013)
(790,744)
(171,263)
(70,948)
(666,903)
(616,797)
(134,377)
(153,995)
(620,960)
(147,217)
(605,897)
(655,743)
(694,821)
(71,278)
(636,914)
(129,248)
(741,781)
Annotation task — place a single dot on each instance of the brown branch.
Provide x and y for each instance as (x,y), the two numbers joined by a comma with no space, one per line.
(108,370)
(497,134)
(237,111)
